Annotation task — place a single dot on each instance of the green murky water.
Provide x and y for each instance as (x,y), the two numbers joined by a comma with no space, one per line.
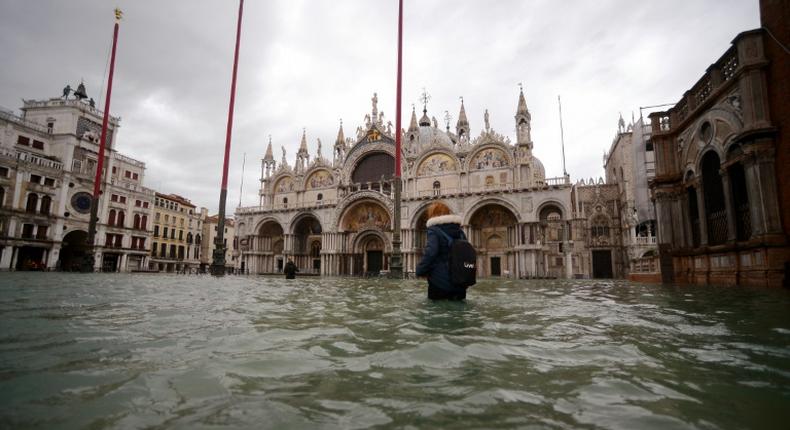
(150,351)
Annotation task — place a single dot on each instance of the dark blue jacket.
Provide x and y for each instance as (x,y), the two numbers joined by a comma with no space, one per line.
(435,259)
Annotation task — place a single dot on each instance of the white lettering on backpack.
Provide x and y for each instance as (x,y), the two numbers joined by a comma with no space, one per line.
(469,265)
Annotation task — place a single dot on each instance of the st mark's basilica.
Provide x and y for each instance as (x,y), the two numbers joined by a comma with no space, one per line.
(335,217)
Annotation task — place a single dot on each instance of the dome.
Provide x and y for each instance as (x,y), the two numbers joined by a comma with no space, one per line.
(539,173)
(429,136)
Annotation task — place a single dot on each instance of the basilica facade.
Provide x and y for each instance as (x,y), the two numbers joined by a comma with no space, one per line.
(335,217)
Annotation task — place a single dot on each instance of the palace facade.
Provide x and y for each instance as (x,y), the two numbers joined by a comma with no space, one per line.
(335,217)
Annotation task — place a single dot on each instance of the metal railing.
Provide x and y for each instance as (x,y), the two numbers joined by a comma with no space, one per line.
(27,157)
(10,116)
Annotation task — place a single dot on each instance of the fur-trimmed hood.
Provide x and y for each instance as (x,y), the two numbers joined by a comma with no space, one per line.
(444,219)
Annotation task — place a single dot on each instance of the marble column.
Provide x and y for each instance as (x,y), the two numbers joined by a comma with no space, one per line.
(728,204)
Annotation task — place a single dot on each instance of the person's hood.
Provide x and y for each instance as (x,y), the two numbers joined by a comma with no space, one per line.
(444,219)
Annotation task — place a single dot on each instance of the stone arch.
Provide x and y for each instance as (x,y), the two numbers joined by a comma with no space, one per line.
(420,211)
(491,231)
(352,199)
(418,163)
(471,159)
(321,181)
(493,200)
(259,225)
(283,183)
(695,148)
(73,251)
(306,230)
(365,214)
(546,204)
(355,156)
(371,166)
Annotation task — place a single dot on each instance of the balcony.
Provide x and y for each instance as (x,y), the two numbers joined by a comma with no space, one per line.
(29,158)
(645,240)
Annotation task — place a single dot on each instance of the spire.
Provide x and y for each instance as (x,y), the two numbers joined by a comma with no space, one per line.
(522,103)
(462,126)
(413,123)
(269,155)
(303,145)
(341,138)
(523,120)
(462,120)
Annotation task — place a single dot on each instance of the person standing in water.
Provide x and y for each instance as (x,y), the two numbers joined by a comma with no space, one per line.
(290,270)
(441,255)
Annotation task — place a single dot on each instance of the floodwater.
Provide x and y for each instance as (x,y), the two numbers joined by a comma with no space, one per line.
(165,351)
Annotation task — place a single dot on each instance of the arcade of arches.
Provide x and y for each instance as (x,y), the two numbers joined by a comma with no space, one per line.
(361,243)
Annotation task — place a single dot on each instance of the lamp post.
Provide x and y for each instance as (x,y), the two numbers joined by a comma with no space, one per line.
(396,260)
(218,257)
(90,257)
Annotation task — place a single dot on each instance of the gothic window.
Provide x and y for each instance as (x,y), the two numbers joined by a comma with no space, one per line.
(111,217)
(32,202)
(740,202)
(144,222)
(715,212)
(189,237)
(437,187)
(121,219)
(46,204)
(136,222)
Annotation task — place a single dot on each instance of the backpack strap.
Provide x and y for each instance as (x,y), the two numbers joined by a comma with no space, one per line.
(446,236)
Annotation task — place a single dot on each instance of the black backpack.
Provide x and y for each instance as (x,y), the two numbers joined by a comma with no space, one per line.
(463,261)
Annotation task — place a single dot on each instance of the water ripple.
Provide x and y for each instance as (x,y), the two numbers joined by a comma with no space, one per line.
(142,351)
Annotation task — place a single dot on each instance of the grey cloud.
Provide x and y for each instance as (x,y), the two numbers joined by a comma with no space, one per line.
(309,63)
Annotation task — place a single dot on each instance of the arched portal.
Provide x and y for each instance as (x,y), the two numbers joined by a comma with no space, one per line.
(366,225)
(307,237)
(492,232)
(73,251)
(267,249)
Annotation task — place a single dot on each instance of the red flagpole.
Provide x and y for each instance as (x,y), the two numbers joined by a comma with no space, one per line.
(398,94)
(396,259)
(90,257)
(218,262)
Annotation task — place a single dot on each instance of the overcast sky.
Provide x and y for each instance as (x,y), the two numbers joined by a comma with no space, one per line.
(311,63)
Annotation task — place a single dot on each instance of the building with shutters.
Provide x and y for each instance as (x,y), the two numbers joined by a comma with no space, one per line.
(177,235)
(48,159)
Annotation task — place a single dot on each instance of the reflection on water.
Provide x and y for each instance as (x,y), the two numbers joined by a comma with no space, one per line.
(132,351)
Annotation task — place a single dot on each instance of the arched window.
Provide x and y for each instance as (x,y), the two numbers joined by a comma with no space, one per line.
(46,205)
(136,222)
(285,201)
(197,239)
(32,202)
(319,197)
(189,237)
(120,219)
(111,217)
(437,188)
(144,222)
(715,210)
